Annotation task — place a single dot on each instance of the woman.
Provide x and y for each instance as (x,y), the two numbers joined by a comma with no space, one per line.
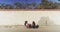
(33,24)
(26,24)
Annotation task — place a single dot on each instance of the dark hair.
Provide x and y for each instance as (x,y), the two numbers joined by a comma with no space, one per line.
(33,23)
(25,23)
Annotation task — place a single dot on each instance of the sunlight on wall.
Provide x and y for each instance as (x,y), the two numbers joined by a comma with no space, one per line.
(18,17)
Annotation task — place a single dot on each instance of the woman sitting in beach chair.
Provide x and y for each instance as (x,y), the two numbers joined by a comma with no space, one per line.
(34,25)
(26,24)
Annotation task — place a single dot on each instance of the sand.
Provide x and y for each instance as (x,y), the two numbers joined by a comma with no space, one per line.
(24,29)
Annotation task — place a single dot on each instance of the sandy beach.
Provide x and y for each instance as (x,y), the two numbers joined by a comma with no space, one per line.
(24,29)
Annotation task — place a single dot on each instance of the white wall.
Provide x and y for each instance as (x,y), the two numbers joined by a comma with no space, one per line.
(18,17)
